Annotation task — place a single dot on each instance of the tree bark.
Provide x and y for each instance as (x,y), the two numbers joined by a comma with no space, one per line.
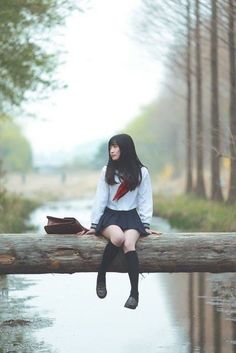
(232,78)
(179,252)
(216,191)
(189,161)
(200,185)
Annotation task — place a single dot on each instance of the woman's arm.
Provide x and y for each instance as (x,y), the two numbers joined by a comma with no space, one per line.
(101,199)
(145,201)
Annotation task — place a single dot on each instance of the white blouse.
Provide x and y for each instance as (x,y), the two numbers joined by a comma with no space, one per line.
(139,198)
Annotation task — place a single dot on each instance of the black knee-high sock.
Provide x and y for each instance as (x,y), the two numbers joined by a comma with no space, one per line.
(109,254)
(133,271)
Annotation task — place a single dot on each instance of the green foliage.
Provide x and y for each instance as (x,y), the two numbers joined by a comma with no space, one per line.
(27,55)
(143,133)
(193,214)
(158,134)
(14,212)
(15,150)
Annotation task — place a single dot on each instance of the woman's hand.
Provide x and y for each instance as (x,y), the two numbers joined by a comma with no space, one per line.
(90,231)
(87,231)
(82,232)
(151,231)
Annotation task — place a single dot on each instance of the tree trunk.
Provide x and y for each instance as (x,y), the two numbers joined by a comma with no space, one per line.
(200,185)
(232,78)
(189,252)
(189,183)
(216,191)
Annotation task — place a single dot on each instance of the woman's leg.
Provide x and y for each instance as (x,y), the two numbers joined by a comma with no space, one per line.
(115,234)
(116,238)
(131,237)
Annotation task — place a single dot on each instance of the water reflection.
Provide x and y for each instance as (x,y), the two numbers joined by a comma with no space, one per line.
(3,286)
(17,319)
(181,313)
(207,304)
(202,307)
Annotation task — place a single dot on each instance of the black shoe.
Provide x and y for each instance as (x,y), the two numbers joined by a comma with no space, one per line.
(101,288)
(131,303)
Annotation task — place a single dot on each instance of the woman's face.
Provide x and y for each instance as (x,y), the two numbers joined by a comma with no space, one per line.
(115,152)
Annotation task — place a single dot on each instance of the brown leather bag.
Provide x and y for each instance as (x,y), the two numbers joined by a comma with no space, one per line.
(66,225)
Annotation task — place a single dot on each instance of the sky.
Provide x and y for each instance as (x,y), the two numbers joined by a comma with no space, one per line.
(110,77)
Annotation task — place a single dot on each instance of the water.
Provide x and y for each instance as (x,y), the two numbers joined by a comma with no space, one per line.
(181,313)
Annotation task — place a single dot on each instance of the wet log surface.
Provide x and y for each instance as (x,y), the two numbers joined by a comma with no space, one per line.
(173,252)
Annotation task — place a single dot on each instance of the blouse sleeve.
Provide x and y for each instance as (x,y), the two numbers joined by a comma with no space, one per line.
(145,201)
(101,199)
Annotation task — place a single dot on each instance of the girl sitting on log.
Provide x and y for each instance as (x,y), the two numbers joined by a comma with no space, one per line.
(122,210)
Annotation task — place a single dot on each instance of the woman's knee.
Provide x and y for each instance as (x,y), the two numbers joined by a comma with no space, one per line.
(129,245)
(115,235)
(117,238)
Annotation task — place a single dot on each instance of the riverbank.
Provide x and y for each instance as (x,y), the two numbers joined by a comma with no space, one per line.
(14,212)
(34,189)
(188,213)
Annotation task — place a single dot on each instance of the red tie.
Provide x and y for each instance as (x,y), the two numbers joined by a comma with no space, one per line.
(121,191)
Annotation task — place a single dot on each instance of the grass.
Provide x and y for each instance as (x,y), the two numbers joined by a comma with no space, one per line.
(14,212)
(189,213)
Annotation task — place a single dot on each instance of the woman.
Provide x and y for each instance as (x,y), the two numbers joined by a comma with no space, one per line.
(122,210)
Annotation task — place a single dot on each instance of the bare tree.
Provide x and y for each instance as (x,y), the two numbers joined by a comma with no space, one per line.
(169,25)
(189,161)
(232,79)
(197,29)
(200,185)
(216,191)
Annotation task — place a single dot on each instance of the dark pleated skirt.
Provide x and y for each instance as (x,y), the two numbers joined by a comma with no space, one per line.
(124,219)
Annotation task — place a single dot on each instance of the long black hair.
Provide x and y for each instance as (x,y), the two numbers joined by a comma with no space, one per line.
(128,166)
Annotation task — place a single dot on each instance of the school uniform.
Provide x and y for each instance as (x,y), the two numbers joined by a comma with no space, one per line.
(133,210)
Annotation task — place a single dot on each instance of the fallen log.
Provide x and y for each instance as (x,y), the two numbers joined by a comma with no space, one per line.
(173,252)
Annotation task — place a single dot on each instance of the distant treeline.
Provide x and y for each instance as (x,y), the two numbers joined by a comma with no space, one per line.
(15,149)
(192,125)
